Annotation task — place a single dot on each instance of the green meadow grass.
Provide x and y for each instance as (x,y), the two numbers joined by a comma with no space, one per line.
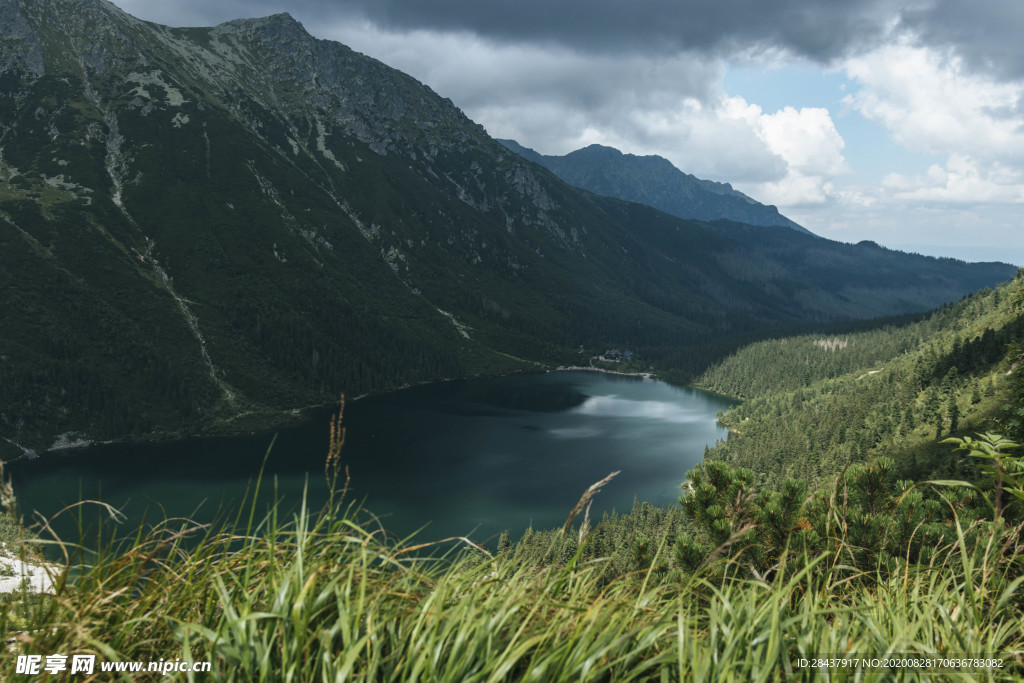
(330,595)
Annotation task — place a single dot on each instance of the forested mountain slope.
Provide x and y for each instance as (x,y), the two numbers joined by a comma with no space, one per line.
(818,403)
(206,228)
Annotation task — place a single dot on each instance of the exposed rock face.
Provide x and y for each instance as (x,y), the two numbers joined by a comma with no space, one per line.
(20,46)
(203,228)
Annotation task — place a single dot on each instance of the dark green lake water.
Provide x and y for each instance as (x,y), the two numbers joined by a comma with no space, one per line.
(467,457)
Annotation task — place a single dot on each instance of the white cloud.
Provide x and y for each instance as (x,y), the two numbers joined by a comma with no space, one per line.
(962,180)
(807,140)
(706,140)
(929,102)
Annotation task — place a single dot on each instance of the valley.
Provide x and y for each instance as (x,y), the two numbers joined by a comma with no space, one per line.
(207,227)
(209,234)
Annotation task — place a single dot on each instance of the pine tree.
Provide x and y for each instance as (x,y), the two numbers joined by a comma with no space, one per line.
(932,404)
(504,542)
(908,418)
(949,382)
(953,411)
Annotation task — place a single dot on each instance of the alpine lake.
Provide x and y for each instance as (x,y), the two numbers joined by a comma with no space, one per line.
(460,458)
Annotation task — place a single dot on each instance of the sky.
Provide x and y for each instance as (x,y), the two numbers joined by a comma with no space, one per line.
(897,122)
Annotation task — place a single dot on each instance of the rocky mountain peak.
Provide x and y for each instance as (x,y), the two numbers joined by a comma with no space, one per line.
(598,151)
(275,27)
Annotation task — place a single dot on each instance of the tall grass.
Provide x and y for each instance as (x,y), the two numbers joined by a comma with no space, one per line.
(330,596)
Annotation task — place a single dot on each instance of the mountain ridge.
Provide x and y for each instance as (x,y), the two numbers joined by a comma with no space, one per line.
(653,180)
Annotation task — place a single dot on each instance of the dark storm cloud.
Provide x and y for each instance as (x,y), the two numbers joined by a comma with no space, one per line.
(988,35)
(820,30)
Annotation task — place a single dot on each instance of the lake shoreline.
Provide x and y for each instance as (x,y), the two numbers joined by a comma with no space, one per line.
(270,421)
(473,456)
(591,368)
(265,421)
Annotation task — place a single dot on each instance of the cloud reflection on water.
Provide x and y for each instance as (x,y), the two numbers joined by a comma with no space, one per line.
(576,432)
(613,406)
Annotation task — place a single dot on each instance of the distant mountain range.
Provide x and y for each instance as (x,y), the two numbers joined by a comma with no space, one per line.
(205,229)
(654,181)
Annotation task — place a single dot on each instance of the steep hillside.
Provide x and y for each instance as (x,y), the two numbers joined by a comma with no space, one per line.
(818,403)
(207,228)
(654,181)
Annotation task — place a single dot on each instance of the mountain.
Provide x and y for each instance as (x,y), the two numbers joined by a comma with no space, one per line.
(206,229)
(654,181)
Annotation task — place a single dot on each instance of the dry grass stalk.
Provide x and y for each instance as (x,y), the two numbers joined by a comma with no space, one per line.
(8,502)
(420,546)
(334,449)
(585,527)
(585,499)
